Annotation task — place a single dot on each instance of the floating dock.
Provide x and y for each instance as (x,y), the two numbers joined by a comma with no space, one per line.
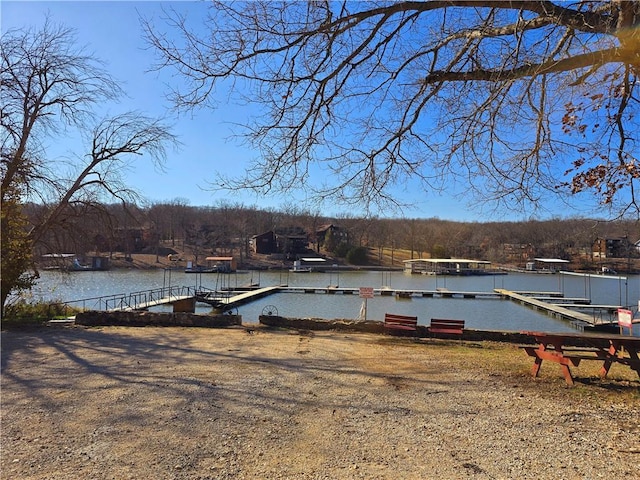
(229,301)
(553,304)
(580,320)
(397,292)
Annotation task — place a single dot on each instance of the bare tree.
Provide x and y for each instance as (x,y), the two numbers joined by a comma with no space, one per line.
(516,100)
(48,86)
(99,174)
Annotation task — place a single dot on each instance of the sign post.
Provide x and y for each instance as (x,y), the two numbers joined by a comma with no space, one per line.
(366,293)
(625,320)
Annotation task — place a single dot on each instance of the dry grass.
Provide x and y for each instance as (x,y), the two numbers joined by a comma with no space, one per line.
(495,358)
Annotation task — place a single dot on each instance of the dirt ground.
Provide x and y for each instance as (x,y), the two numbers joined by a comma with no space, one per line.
(192,403)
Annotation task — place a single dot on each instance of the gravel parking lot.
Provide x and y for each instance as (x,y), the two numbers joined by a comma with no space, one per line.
(195,403)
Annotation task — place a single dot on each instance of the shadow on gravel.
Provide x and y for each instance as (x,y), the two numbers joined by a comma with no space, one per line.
(166,363)
(609,384)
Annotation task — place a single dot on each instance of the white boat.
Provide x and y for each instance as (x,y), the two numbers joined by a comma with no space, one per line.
(299,268)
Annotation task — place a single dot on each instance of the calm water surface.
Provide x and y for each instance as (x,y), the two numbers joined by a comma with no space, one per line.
(478,313)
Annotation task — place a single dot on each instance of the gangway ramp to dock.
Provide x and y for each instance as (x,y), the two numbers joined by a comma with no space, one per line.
(146,304)
(182,298)
(143,300)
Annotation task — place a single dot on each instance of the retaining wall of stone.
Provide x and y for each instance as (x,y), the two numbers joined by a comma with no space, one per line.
(371,326)
(168,319)
(155,319)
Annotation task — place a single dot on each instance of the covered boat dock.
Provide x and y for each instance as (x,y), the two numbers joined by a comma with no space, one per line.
(448,266)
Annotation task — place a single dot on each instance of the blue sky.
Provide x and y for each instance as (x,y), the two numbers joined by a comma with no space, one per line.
(111,30)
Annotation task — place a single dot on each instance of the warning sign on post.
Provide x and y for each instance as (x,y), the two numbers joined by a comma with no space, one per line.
(366,292)
(625,318)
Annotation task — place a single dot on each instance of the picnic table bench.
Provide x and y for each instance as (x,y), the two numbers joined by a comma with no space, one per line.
(560,348)
(400,323)
(442,325)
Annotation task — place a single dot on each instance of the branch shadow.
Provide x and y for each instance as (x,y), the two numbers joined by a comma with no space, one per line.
(119,363)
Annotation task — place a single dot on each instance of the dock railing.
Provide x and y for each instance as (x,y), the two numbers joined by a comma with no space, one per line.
(139,299)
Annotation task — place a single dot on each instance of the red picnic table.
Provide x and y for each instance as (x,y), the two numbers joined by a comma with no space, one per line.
(569,349)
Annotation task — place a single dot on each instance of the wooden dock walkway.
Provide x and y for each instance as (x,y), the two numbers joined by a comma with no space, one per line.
(398,292)
(559,300)
(556,310)
(227,300)
(591,306)
(552,303)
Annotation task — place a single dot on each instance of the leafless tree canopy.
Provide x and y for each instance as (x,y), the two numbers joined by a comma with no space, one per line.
(50,86)
(515,99)
(45,78)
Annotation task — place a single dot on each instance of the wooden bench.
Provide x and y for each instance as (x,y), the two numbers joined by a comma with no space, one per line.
(401,323)
(442,325)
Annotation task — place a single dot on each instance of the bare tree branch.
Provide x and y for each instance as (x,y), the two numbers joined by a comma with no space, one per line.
(49,84)
(382,94)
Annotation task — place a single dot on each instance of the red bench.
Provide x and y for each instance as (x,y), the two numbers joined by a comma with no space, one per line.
(441,325)
(403,323)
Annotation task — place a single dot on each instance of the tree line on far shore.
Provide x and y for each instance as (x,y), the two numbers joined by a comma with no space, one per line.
(228,229)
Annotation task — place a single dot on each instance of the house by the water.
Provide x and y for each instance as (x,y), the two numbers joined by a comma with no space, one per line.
(448,266)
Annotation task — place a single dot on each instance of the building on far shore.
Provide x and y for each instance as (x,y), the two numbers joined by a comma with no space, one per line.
(612,248)
(264,243)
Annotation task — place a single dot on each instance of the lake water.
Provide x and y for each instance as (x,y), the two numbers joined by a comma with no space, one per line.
(480,313)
